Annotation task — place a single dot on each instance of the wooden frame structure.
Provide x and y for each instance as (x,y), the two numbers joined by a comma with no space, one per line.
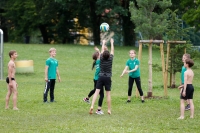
(164,65)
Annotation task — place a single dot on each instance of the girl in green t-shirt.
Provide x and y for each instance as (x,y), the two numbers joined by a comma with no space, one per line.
(132,68)
(96,64)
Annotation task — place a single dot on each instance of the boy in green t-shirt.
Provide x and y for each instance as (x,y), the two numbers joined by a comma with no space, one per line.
(51,70)
(134,75)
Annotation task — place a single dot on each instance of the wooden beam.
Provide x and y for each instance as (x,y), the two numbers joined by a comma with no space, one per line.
(151,41)
(176,42)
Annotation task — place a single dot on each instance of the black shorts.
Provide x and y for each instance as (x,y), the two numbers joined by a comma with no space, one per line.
(104,81)
(189,92)
(7,79)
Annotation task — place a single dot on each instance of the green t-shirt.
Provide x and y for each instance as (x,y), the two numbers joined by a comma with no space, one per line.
(52,64)
(131,64)
(182,74)
(97,66)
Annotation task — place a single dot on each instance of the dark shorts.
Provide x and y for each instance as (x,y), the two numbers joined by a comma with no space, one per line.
(189,92)
(7,79)
(104,81)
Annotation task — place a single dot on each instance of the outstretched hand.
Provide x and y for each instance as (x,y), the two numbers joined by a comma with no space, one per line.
(95,48)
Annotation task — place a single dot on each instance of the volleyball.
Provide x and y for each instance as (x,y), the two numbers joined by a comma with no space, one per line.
(104,27)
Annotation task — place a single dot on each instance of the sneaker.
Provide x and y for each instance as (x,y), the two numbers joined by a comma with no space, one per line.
(100,112)
(128,101)
(86,100)
(52,101)
(187,107)
(142,101)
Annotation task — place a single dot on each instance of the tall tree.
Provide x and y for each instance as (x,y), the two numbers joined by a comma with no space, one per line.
(151,23)
(50,17)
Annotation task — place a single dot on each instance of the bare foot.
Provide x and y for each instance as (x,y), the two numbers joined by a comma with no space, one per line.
(6,107)
(180,118)
(91,110)
(15,108)
(109,112)
(191,117)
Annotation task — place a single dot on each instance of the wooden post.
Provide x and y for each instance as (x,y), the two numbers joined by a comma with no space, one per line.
(139,58)
(166,69)
(149,93)
(163,61)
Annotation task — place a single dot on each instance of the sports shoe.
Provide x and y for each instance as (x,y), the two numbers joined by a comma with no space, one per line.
(99,112)
(128,101)
(187,107)
(86,100)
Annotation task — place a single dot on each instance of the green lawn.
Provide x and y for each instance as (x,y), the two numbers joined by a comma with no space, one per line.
(69,114)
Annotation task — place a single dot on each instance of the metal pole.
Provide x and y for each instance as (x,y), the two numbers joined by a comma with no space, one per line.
(1,54)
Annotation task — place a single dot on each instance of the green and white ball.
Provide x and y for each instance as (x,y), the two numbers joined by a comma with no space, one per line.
(104,27)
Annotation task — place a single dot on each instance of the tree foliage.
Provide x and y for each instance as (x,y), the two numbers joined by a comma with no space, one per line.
(150,23)
(191,12)
(54,18)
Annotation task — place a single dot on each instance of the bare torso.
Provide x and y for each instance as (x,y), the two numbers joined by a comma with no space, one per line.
(11,69)
(189,73)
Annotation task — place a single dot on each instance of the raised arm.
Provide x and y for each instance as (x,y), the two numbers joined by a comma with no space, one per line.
(103,46)
(97,49)
(112,46)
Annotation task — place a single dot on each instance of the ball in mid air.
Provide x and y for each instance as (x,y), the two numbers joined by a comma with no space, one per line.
(104,27)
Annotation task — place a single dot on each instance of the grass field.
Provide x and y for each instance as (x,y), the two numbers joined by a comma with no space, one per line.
(69,114)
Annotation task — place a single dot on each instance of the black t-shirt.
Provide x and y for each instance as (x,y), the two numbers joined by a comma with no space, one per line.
(106,66)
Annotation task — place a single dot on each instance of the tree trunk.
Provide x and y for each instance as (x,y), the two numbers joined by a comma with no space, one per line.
(173,85)
(128,26)
(44,34)
(96,23)
(5,34)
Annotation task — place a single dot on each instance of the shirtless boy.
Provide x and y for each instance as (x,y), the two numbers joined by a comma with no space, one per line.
(188,89)
(11,82)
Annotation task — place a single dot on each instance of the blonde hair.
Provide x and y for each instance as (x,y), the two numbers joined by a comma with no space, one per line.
(187,56)
(132,51)
(52,49)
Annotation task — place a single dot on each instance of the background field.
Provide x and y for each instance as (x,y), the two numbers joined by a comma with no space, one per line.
(70,114)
